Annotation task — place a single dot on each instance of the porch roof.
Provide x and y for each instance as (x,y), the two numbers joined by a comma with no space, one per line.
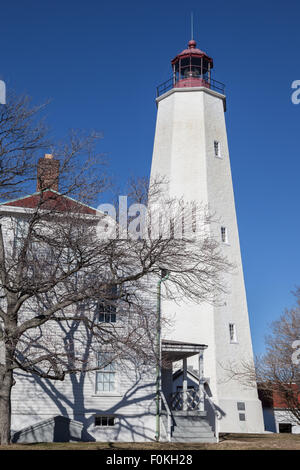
(177,350)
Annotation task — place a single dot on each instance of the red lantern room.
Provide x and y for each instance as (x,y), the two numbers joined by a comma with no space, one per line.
(192,67)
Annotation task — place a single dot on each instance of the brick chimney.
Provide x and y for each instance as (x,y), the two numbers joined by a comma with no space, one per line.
(47,173)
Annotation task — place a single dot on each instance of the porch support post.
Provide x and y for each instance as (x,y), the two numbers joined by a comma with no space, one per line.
(184,384)
(164,277)
(201,376)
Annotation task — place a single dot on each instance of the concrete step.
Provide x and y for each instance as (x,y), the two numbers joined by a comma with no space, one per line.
(208,440)
(190,419)
(194,429)
(189,413)
(191,428)
(187,426)
(179,433)
(202,432)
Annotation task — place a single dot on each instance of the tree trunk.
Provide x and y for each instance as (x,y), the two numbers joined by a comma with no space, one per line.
(5,407)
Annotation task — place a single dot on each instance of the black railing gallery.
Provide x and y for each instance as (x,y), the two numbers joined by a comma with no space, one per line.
(205,81)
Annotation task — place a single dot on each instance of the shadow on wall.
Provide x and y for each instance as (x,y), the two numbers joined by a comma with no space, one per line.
(64,429)
(56,429)
(72,419)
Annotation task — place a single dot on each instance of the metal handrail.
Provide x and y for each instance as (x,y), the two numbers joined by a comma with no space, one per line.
(171,83)
(169,416)
(215,410)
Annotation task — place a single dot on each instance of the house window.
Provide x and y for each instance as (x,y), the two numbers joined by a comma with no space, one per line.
(224,236)
(217,148)
(232,333)
(104,421)
(106,308)
(241,406)
(106,313)
(106,376)
(20,232)
(242,416)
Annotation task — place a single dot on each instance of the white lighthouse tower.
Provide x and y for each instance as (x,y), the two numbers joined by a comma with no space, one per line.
(191,151)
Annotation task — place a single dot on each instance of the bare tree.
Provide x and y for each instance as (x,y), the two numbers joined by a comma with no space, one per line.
(277,372)
(22,135)
(57,275)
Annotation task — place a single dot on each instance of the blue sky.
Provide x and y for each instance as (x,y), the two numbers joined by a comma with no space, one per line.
(99,63)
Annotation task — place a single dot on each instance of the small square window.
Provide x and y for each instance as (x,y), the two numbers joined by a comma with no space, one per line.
(104,421)
(217,148)
(241,406)
(285,427)
(242,416)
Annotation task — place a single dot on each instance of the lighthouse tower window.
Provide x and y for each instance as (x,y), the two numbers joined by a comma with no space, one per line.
(224,236)
(217,148)
(232,333)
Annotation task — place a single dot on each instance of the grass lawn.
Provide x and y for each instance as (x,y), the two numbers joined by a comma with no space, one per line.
(227,442)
